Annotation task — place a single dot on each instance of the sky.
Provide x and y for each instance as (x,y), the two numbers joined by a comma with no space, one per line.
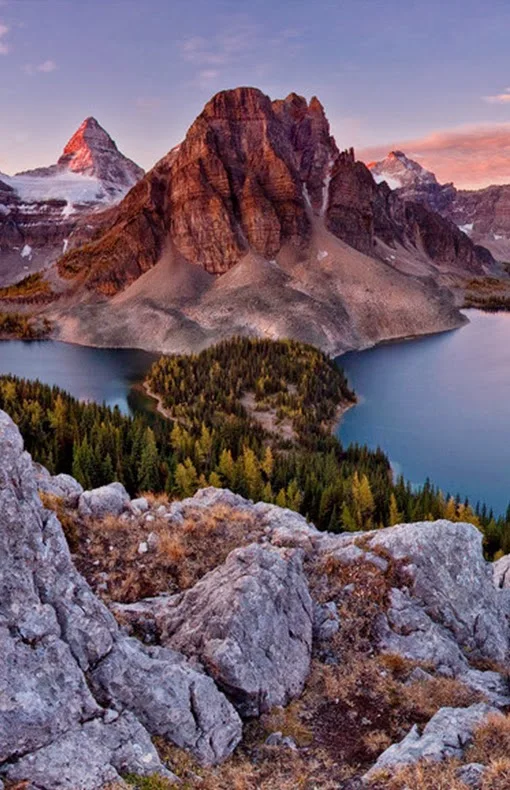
(430,78)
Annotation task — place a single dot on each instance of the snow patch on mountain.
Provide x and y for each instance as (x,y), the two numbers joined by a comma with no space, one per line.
(393,183)
(71,187)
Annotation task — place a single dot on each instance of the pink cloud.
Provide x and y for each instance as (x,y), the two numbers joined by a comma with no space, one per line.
(470,156)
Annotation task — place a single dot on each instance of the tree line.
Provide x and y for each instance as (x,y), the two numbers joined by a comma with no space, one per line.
(215,440)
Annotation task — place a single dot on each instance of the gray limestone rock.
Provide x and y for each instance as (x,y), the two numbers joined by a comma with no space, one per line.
(170,697)
(249,622)
(55,635)
(471,774)
(450,609)
(446,735)
(90,756)
(326,621)
(501,572)
(494,686)
(139,505)
(110,500)
(63,486)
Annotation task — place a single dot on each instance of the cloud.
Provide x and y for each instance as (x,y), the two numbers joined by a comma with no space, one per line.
(223,48)
(242,44)
(501,98)
(46,67)
(470,156)
(206,78)
(4,46)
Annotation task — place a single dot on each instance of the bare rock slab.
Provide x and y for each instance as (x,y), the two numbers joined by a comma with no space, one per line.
(170,697)
(110,500)
(450,609)
(249,622)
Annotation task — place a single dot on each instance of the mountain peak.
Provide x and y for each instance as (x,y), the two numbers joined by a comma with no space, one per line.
(400,172)
(397,155)
(92,152)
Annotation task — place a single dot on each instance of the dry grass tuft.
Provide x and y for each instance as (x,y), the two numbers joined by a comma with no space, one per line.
(257,767)
(491,740)
(179,554)
(427,696)
(497,776)
(421,776)
(289,721)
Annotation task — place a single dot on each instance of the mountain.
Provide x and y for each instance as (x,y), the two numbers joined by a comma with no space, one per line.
(257,224)
(91,152)
(413,181)
(40,209)
(257,176)
(483,214)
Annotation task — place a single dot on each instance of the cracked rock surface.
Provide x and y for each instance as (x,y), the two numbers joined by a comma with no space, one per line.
(249,622)
(57,641)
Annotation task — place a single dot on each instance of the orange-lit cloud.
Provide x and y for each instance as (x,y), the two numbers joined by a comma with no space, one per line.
(499,98)
(470,156)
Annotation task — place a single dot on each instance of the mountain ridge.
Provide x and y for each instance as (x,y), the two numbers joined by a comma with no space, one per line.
(483,214)
(257,203)
(274,230)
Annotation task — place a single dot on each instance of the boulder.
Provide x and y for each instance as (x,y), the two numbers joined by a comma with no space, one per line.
(446,735)
(278,739)
(62,486)
(326,621)
(169,697)
(110,500)
(90,757)
(53,630)
(494,686)
(448,610)
(249,622)
(140,505)
(471,774)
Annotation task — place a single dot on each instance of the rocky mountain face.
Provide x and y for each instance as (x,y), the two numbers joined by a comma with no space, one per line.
(254,176)
(41,209)
(258,224)
(291,615)
(482,214)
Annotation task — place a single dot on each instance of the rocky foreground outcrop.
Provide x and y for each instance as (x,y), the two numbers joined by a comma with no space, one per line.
(249,622)
(72,684)
(80,698)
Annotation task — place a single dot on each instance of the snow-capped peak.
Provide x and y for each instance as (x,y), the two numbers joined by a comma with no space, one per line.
(401,172)
(92,152)
(90,171)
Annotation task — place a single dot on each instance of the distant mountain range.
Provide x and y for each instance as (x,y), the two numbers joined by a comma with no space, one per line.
(256,224)
(39,209)
(483,214)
